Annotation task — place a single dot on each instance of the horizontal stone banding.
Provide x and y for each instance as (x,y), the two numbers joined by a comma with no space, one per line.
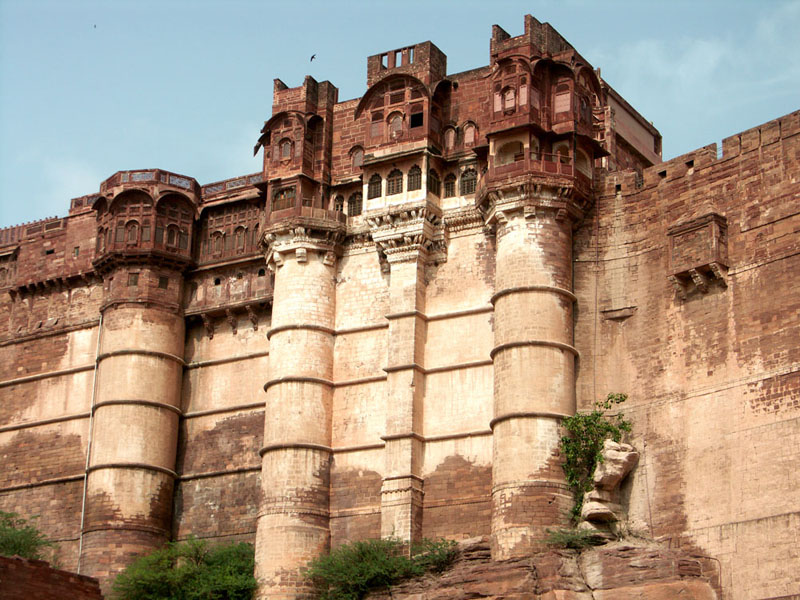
(294,446)
(300,326)
(133,352)
(125,527)
(133,465)
(207,474)
(43,422)
(534,288)
(531,483)
(224,409)
(526,415)
(298,379)
(223,361)
(545,343)
(406,367)
(43,482)
(137,402)
(47,375)
(402,436)
(406,476)
(360,381)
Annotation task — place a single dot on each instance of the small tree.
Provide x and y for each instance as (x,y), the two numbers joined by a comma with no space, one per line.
(582,446)
(190,570)
(18,537)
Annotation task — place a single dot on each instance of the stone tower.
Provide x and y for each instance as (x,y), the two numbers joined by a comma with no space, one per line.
(144,237)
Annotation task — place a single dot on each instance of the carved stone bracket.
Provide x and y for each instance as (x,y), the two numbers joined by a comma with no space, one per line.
(409,232)
(304,242)
(251,314)
(232,320)
(533,200)
(209,325)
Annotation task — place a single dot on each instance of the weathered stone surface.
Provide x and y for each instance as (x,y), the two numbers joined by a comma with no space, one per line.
(619,571)
(618,460)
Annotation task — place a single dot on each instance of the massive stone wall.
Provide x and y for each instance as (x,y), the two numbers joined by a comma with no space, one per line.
(712,374)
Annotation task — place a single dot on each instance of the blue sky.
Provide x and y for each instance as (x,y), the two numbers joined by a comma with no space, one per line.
(90,87)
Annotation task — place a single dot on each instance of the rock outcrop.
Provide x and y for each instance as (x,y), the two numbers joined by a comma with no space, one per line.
(617,571)
(601,506)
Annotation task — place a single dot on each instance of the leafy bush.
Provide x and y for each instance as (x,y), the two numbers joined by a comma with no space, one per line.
(18,537)
(583,444)
(351,570)
(577,539)
(190,570)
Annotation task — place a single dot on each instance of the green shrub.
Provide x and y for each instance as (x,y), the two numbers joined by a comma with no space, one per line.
(351,570)
(190,570)
(18,537)
(583,444)
(577,539)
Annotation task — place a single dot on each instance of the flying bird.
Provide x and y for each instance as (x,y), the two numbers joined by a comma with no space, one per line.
(313,56)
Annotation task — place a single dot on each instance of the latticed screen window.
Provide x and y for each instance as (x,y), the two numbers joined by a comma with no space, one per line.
(468,181)
(283,199)
(450,186)
(354,204)
(338,204)
(414,179)
(394,183)
(374,189)
(434,184)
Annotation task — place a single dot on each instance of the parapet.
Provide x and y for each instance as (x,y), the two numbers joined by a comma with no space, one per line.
(424,61)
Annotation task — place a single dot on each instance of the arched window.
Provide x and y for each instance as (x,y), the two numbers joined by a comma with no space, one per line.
(450,186)
(101,240)
(583,164)
(508,153)
(395,125)
(434,183)
(509,99)
(414,178)
(173,235)
(469,179)
(216,243)
(354,204)
(357,156)
(374,189)
(394,183)
(283,198)
(469,134)
(131,232)
(562,153)
(239,236)
(449,138)
(285,149)
(338,203)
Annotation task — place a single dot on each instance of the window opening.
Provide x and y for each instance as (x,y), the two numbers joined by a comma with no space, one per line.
(133,279)
(434,184)
(469,135)
(450,186)
(283,198)
(358,157)
(338,204)
(163,282)
(468,182)
(394,183)
(354,205)
(417,119)
(414,178)
(374,189)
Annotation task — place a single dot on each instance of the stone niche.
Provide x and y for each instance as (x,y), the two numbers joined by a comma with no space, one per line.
(698,254)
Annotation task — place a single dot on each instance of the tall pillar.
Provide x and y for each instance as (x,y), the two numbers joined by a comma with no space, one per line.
(131,474)
(404,238)
(534,366)
(293,520)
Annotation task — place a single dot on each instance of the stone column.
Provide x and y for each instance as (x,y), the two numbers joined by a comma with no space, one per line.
(534,367)
(293,521)
(135,422)
(404,238)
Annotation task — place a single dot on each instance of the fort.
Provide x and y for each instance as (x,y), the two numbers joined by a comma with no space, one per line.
(379,333)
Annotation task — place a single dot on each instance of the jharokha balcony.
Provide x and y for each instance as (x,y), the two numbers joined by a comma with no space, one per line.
(556,169)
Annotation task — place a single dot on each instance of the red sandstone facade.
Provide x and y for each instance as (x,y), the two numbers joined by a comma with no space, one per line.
(454,262)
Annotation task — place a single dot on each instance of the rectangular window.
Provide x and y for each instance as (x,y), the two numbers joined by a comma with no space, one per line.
(416,120)
(133,279)
(120,236)
(159,235)
(76,251)
(146,233)
(163,282)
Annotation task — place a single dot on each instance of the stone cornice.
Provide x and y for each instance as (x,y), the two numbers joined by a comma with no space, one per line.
(409,232)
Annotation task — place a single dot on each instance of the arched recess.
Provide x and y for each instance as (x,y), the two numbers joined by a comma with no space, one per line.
(511,82)
(380,94)
(174,212)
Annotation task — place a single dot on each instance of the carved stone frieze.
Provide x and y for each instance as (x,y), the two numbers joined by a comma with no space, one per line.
(533,199)
(409,232)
